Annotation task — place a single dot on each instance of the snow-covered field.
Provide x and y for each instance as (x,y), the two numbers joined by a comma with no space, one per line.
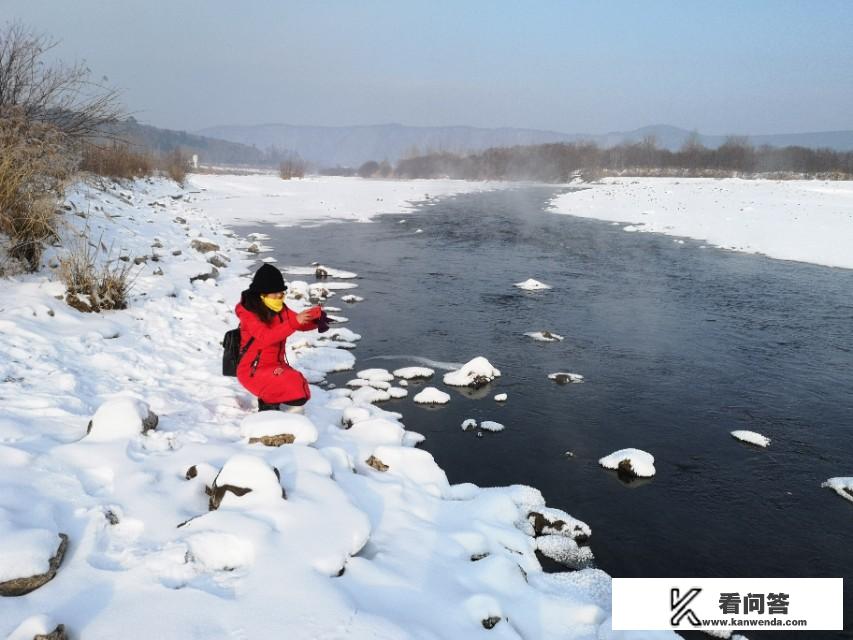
(802,220)
(348,531)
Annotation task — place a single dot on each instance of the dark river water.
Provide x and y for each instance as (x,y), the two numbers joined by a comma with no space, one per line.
(679,345)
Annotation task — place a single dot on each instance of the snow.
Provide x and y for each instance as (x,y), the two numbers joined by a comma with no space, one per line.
(469,423)
(532,285)
(841,486)
(476,372)
(500,397)
(490,425)
(410,373)
(431,395)
(642,463)
(544,336)
(751,437)
(802,220)
(329,544)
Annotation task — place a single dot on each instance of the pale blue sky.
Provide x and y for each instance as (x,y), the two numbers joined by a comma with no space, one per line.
(722,67)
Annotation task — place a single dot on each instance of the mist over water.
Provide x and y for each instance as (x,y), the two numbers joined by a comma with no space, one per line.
(679,345)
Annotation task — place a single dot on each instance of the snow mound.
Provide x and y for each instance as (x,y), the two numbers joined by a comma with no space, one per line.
(218,551)
(544,336)
(631,461)
(564,377)
(842,486)
(352,298)
(475,373)
(415,465)
(377,431)
(397,392)
(411,373)
(382,375)
(751,437)
(469,423)
(490,425)
(120,418)
(500,397)
(431,395)
(25,551)
(369,395)
(351,415)
(532,285)
(274,423)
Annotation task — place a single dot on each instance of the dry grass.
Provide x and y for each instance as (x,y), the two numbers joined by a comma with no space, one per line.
(35,166)
(175,166)
(118,161)
(91,287)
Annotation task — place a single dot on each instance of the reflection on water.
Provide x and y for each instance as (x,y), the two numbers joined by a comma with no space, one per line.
(679,345)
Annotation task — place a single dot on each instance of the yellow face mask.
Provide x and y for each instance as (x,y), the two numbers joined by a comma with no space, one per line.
(273,304)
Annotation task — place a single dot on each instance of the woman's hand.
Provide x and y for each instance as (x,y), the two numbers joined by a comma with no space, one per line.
(303,317)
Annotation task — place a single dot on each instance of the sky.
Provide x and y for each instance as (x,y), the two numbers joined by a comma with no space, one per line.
(721,67)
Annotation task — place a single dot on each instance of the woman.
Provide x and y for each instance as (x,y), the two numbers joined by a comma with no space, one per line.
(265,324)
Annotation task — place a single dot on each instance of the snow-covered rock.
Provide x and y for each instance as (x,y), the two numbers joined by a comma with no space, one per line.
(265,426)
(500,397)
(751,437)
(633,462)
(532,285)
(469,423)
(411,373)
(843,486)
(121,418)
(544,336)
(475,373)
(245,481)
(431,395)
(382,375)
(491,425)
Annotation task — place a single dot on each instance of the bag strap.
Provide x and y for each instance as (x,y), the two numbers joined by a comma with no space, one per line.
(246,348)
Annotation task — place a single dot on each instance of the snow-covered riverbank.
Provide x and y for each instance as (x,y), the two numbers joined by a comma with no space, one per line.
(351,551)
(802,220)
(268,198)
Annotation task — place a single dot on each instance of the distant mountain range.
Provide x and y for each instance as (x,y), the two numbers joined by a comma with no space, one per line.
(350,146)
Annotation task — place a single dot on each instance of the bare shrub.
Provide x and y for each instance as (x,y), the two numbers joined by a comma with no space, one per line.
(116,160)
(56,94)
(46,111)
(291,168)
(93,287)
(35,165)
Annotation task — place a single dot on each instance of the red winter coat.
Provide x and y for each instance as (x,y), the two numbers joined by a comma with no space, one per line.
(264,369)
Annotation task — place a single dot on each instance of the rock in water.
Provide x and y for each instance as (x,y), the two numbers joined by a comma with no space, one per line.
(475,373)
(633,463)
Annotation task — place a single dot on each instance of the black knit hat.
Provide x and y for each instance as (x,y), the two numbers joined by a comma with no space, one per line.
(267,279)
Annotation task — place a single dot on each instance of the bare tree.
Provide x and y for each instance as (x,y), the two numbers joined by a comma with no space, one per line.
(57,94)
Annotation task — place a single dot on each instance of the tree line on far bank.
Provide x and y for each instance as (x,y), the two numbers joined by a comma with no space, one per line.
(562,162)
